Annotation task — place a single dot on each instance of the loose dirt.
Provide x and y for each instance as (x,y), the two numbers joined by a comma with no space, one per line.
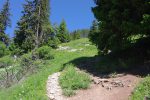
(119,88)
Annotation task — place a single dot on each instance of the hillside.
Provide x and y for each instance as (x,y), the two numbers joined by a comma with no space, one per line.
(34,87)
(81,74)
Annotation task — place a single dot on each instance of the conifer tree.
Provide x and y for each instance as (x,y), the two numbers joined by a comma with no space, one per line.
(119,20)
(34,25)
(4,22)
(63,34)
(94,31)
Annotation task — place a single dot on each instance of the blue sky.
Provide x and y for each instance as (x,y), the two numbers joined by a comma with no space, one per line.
(76,13)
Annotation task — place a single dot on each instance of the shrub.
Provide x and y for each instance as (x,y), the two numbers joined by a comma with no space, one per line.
(44,53)
(71,80)
(26,60)
(53,42)
(6,61)
(3,50)
(15,50)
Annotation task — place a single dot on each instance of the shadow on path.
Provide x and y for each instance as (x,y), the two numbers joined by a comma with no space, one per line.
(102,66)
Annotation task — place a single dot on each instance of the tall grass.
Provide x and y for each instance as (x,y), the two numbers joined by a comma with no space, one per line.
(71,80)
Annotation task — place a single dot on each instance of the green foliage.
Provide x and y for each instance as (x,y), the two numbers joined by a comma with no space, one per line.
(26,60)
(118,21)
(14,50)
(6,61)
(75,35)
(34,27)
(5,14)
(142,90)
(3,49)
(53,42)
(81,33)
(94,31)
(44,53)
(63,34)
(33,86)
(4,22)
(71,79)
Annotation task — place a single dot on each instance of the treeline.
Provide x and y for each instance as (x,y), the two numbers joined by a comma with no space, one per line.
(81,33)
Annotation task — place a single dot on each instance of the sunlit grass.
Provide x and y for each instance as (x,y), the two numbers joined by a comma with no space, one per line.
(34,86)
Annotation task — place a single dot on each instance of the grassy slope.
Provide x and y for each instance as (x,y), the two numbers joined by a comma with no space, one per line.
(34,87)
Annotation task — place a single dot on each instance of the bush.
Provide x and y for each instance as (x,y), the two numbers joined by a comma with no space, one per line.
(64,38)
(44,53)
(53,42)
(26,60)
(15,50)
(71,80)
(3,50)
(6,61)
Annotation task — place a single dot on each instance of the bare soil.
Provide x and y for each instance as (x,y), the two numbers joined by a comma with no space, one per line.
(119,88)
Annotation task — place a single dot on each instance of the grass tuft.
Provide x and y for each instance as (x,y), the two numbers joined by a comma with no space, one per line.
(71,80)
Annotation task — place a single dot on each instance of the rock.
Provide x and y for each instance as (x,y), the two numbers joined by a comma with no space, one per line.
(96,82)
(129,86)
(117,84)
(52,91)
(73,50)
(128,80)
(52,97)
(104,80)
(146,98)
(81,49)
(109,88)
(87,44)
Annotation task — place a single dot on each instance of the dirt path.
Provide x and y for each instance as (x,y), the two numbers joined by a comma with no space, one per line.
(54,91)
(119,88)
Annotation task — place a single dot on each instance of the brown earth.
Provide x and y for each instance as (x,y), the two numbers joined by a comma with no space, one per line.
(119,88)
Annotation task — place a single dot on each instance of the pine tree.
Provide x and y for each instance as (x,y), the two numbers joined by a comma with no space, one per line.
(94,30)
(24,35)
(119,20)
(34,26)
(63,34)
(4,22)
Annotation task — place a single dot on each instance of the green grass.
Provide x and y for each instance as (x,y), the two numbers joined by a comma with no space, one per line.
(142,90)
(34,86)
(71,80)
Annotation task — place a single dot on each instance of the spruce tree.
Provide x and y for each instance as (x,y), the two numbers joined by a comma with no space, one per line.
(63,34)
(119,20)
(24,35)
(94,31)
(4,22)
(34,25)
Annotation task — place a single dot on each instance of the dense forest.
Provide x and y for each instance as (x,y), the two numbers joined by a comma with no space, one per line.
(118,41)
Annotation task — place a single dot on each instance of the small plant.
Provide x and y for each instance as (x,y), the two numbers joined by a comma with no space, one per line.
(3,50)
(44,53)
(71,80)
(26,60)
(113,75)
(6,61)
